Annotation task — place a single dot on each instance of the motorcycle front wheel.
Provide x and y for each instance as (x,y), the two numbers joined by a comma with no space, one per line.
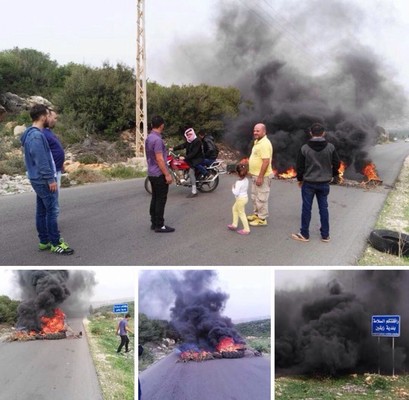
(208,187)
(148,186)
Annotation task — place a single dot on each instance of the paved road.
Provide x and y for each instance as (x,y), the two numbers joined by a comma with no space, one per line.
(48,369)
(108,224)
(238,379)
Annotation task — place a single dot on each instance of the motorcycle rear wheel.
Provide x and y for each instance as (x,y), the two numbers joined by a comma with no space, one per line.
(208,187)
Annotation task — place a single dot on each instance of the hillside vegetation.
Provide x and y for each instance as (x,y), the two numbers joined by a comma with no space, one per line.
(101,100)
(115,371)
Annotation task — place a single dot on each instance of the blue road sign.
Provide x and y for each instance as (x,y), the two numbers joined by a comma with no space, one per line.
(120,308)
(385,325)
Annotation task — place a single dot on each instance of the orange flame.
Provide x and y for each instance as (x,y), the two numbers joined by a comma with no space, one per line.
(227,344)
(53,324)
(341,170)
(370,172)
(289,174)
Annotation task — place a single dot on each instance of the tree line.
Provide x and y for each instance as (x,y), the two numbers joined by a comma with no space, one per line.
(8,310)
(101,100)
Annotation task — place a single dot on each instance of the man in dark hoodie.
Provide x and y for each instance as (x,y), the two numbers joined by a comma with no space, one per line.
(210,150)
(317,166)
(42,174)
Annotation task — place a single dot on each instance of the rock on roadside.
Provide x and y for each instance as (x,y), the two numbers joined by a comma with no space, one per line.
(14,185)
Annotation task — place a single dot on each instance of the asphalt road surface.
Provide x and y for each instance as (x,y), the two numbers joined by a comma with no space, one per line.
(226,379)
(48,369)
(108,224)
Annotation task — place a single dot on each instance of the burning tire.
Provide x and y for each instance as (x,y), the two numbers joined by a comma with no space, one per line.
(233,354)
(391,242)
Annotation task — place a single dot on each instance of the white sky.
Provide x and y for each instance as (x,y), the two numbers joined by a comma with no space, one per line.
(298,279)
(93,31)
(113,283)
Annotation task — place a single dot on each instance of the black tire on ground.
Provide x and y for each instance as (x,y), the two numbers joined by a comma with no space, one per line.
(148,186)
(209,187)
(391,242)
(233,354)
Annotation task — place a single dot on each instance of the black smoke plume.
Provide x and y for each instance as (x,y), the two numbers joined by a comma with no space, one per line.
(327,330)
(196,313)
(43,291)
(295,66)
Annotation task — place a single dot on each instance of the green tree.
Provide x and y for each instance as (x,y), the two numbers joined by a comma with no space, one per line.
(203,106)
(8,310)
(102,100)
(150,330)
(28,72)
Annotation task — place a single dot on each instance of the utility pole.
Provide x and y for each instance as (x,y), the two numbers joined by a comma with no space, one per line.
(141,107)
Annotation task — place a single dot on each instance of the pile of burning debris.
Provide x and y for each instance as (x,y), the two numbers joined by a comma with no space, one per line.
(52,328)
(226,348)
(371,178)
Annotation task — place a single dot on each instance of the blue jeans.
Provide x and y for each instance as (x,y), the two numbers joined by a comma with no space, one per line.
(47,214)
(201,169)
(308,191)
(209,161)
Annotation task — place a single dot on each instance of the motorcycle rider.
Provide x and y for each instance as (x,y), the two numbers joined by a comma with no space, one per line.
(210,149)
(194,157)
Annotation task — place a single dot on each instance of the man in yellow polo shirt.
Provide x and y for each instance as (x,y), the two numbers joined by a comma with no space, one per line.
(261,172)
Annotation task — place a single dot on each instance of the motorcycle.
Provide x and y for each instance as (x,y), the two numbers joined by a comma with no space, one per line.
(179,170)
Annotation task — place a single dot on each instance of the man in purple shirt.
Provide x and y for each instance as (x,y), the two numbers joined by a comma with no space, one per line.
(158,174)
(122,330)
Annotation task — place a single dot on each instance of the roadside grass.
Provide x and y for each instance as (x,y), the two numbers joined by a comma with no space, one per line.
(146,359)
(394,216)
(262,344)
(352,387)
(115,372)
(123,172)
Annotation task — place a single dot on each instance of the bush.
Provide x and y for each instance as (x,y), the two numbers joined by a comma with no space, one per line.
(262,346)
(123,172)
(150,330)
(97,330)
(8,310)
(12,166)
(101,99)
(81,176)
(69,129)
(88,159)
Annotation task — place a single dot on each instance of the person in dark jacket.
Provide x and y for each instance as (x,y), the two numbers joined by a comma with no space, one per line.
(317,166)
(210,150)
(194,156)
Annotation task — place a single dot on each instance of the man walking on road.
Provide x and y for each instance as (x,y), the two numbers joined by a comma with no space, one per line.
(317,166)
(122,330)
(42,174)
(56,148)
(158,174)
(261,172)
